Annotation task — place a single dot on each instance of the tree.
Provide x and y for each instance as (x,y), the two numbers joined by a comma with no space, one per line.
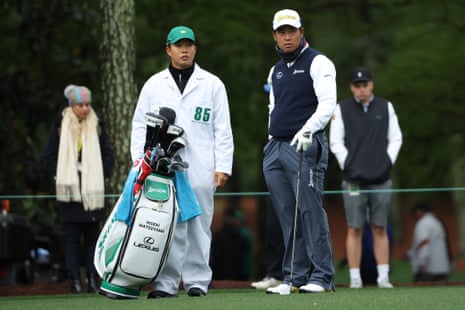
(119,91)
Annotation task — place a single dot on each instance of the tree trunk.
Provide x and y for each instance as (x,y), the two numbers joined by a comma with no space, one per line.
(117,53)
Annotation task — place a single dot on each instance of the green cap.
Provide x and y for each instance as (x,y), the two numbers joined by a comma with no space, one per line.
(178,33)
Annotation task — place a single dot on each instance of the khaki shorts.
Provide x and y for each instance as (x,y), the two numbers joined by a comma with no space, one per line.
(372,206)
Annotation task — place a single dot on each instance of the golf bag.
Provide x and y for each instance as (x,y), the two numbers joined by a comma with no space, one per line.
(131,254)
(135,240)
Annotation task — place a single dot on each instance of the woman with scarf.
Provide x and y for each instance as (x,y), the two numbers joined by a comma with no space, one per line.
(302,101)
(79,155)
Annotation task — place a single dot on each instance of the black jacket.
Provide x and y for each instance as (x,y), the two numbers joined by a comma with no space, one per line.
(74,211)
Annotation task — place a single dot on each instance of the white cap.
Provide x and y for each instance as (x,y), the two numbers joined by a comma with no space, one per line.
(286,17)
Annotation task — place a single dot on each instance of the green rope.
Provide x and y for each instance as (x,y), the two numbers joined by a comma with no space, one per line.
(226,194)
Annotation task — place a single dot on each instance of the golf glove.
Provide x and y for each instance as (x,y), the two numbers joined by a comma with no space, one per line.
(303,138)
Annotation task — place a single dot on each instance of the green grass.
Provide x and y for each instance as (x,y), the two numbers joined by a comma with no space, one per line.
(402,297)
(444,297)
(400,274)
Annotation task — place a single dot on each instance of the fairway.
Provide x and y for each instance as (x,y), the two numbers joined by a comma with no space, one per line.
(440,297)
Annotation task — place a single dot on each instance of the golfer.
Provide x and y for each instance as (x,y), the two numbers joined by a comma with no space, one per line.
(302,101)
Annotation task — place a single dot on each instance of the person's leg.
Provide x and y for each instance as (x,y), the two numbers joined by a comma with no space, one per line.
(274,244)
(196,270)
(314,220)
(72,237)
(379,212)
(280,171)
(380,244)
(90,231)
(355,205)
(274,250)
(167,282)
(354,247)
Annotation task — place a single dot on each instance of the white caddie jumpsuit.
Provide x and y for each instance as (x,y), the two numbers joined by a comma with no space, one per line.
(203,112)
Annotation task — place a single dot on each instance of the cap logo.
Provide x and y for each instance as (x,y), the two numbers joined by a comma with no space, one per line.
(359,74)
(280,18)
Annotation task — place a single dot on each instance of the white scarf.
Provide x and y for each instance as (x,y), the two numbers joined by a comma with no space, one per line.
(92,180)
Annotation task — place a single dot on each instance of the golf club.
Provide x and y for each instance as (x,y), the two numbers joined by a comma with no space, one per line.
(294,228)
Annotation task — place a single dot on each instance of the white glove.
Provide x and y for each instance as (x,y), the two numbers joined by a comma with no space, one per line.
(303,138)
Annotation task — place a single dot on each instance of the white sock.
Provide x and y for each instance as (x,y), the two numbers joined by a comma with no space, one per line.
(383,271)
(355,274)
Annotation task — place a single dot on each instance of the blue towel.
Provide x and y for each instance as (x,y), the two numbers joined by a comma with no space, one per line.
(189,206)
(126,202)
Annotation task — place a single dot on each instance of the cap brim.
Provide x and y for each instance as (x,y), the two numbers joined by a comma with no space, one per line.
(295,25)
(355,81)
(174,42)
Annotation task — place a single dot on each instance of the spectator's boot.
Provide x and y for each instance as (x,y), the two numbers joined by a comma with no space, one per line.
(92,284)
(76,286)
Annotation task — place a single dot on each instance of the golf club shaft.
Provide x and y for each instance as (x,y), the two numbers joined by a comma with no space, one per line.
(294,227)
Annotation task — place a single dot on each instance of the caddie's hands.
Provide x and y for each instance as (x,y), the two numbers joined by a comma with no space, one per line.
(220,179)
(303,138)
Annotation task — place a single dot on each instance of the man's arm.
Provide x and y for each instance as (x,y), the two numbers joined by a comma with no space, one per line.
(394,134)
(323,74)
(336,138)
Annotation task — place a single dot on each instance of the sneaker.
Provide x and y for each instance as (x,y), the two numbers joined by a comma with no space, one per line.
(281,289)
(356,283)
(312,288)
(384,283)
(265,283)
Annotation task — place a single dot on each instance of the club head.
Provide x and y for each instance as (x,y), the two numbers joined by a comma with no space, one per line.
(178,166)
(163,165)
(168,113)
(175,145)
(172,132)
(156,125)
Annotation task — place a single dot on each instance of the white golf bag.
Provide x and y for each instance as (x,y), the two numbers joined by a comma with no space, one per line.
(130,255)
(135,240)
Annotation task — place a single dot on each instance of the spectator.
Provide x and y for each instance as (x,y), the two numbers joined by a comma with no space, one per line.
(232,248)
(274,251)
(430,255)
(365,137)
(79,156)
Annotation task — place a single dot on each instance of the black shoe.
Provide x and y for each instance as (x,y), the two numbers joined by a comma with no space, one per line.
(196,292)
(160,294)
(76,286)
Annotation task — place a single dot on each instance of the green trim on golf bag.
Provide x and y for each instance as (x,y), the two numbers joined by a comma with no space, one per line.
(130,256)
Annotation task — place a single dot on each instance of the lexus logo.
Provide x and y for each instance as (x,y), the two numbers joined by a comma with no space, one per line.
(149,240)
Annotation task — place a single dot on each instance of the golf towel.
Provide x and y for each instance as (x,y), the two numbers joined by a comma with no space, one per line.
(189,206)
(126,202)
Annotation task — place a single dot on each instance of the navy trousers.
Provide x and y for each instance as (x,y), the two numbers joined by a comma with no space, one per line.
(313,255)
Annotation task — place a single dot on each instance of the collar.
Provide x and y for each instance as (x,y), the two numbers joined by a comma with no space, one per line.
(292,56)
